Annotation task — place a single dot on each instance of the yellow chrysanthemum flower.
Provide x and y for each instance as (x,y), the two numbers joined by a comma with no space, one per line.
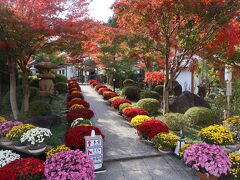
(165,140)
(16,132)
(216,134)
(139,119)
(2,119)
(56,150)
(235,169)
(76,106)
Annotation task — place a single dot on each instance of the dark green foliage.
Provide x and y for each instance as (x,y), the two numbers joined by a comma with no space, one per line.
(61,87)
(131,92)
(34,82)
(149,94)
(39,108)
(60,78)
(159,89)
(34,92)
(128,82)
(149,104)
(201,116)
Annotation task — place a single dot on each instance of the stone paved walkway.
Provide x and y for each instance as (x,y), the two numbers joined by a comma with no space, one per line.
(125,156)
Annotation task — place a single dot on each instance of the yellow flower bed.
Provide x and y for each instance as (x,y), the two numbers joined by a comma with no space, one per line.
(2,119)
(139,119)
(16,132)
(235,169)
(56,150)
(165,140)
(216,134)
(233,123)
(76,106)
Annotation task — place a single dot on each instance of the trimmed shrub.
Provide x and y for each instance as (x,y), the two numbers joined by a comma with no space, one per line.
(200,116)
(149,94)
(176,121)
(34,82)
(61,87)
(123,106)
(132,112)
(128,82)
(150,128)
(159,89)
(149,104)
(60,78)
(131,92)
(39,108)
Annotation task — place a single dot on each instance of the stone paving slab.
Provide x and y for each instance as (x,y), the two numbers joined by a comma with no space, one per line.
(125,156)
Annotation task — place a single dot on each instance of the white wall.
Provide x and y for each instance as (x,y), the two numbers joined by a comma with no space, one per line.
(68,71)
(184,79)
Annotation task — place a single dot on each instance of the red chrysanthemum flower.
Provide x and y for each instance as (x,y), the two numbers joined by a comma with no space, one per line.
(117,102)
(109,94)
(74,137)
(97,87)
(79,102)
(150,128)
(79,113)
(22,168)
(75,94)
(102,90)
(132,112)
(91,81)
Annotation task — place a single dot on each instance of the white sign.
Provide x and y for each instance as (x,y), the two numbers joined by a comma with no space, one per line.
(94,149)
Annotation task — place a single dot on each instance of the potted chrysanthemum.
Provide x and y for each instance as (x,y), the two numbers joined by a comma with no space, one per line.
(7,156)
(5,127)
(35,138)
(209,161)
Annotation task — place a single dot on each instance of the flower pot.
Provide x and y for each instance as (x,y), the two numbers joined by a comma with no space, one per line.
(203,176)
(19,145)
(36,148)
(5,141)
(165,150)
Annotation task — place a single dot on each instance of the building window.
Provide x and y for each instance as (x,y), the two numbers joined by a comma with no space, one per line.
(63,71)
(59,72)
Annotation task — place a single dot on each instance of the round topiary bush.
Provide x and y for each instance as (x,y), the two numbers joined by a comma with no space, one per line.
(176,121)
(60,78)
(131,92)
(149,104)
(159,89)
(149,94)
(201,116)
(61,87)
(39,108)
(128,82)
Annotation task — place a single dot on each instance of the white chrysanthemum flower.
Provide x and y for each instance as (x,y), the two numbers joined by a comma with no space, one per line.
(36,135)
(7,156)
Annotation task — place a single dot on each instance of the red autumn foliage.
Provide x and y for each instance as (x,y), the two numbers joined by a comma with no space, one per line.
(102,90)
(91,81)
(97,87)
(132,112)
(75,94)
(148,129)
(154,78)
(79,102)
(117,102)
(74,137)
(22,168)
(109,94)
(79,113)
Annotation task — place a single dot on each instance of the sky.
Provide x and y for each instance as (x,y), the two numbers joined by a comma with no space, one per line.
(100,9)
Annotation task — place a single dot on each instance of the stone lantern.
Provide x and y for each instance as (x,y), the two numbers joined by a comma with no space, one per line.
(46,84)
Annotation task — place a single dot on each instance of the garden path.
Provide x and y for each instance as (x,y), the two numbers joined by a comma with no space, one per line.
(125,156)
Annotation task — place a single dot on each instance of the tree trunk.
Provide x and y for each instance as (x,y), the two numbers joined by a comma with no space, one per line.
(12,79)
(26,93)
